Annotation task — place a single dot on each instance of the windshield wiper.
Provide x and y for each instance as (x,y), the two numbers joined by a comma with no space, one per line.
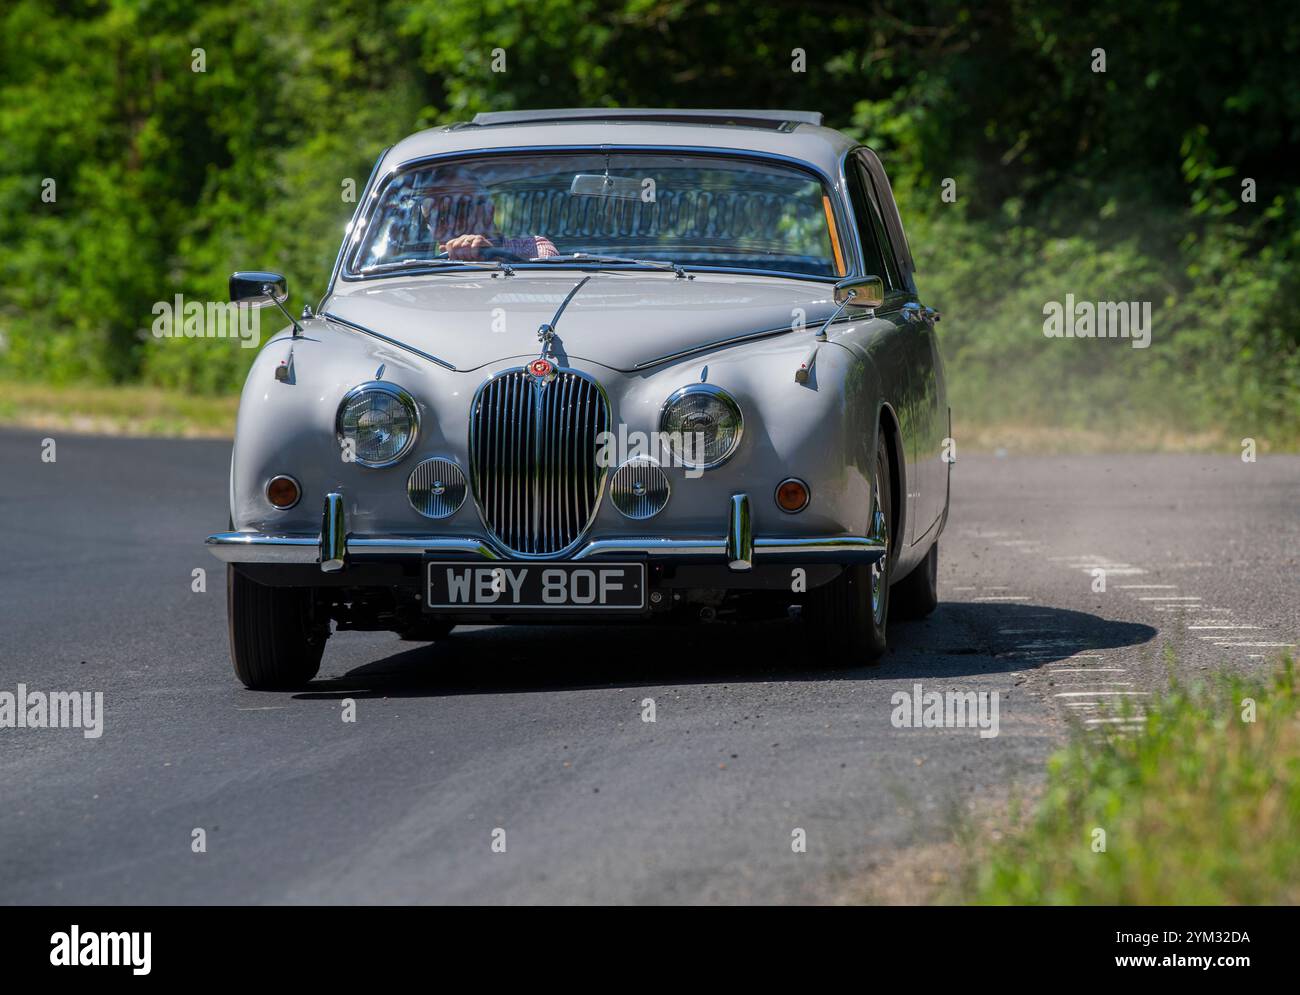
(396,264)
(593,257)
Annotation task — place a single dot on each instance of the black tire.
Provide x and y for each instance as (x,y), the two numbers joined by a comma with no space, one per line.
(276,638)
(917,594)
(840,615)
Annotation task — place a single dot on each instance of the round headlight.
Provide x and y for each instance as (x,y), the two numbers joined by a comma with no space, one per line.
(379,421)
(702,425)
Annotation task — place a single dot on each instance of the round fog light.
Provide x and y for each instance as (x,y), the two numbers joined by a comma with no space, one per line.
(283,492)
(792,495)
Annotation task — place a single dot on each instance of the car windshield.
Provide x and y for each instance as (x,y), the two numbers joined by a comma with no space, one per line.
(694,211)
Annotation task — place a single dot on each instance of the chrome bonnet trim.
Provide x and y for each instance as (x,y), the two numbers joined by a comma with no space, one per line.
(352,325)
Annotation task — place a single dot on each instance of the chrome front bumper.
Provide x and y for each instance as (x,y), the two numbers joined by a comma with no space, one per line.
(334,547)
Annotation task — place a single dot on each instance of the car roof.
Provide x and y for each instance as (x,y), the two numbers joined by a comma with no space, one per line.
(793,134)
(744,118)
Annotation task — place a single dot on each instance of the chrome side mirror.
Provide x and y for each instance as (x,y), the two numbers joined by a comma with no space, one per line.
(254,288)
(861,291)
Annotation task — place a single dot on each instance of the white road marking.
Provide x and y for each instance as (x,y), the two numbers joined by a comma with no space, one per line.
(1260,645)
(1085,670)
(1148,587)
(1084,694)
(1224,627)
(1094,722)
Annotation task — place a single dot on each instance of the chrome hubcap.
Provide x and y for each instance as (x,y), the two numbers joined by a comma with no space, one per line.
(879,569)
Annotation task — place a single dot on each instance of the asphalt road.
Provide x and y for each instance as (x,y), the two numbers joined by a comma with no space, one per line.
(539,731)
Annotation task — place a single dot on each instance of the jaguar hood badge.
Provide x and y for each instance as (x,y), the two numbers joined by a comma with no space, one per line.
(542,370)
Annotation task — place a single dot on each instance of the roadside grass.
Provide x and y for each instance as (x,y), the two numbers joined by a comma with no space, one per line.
(1022,438)
(158,411)
(116,410)
(1200,806)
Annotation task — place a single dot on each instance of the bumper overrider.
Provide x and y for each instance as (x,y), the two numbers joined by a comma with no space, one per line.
(334,547)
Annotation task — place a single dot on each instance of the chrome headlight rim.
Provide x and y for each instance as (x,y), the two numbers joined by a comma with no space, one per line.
(407,401)
(713,391)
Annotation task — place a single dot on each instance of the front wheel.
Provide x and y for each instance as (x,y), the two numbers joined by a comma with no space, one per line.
(847,617)
(277,637)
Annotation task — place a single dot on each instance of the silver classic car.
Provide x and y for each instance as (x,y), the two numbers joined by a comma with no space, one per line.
(614,365)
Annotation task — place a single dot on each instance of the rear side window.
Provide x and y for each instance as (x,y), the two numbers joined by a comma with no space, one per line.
(878,186)
(870,218)
(873,258)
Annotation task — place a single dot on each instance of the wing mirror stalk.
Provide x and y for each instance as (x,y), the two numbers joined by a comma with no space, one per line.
(860,291)
(261,288)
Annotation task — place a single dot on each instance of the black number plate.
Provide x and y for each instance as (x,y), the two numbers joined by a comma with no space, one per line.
(515,585)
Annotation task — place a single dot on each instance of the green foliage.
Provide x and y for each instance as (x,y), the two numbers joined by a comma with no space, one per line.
(1200,808)
(1123,185)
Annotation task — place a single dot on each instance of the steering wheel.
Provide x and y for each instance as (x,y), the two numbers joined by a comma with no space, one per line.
(501,255)
(490,254)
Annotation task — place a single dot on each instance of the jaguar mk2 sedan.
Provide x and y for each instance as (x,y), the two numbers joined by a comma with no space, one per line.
(575,365)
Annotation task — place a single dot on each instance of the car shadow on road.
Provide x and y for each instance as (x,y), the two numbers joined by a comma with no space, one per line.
(960,639)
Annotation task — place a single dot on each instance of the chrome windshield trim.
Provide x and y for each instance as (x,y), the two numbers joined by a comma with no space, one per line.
(854,233)
(580,265)
(256,547)
(352,224)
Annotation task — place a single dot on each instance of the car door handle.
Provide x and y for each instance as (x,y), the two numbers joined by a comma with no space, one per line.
(913,311)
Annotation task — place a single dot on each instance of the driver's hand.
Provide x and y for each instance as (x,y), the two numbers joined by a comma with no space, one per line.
(466,246)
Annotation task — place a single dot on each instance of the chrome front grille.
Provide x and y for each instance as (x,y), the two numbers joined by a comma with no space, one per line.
(533,459)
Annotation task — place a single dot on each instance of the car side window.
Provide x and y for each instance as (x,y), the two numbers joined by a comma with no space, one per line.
(872,256)
(877,223)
